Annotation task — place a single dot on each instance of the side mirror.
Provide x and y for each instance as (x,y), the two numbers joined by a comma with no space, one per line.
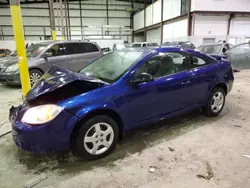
(141,78)
(47,54)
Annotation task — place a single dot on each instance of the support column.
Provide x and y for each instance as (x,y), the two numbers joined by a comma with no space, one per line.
(80,5)
(20,44)
(162,21)
(189,29)
(145,31)
(231,16)
(66,19)
(62,24)
(69,28)
(107,10)
(52,20)
(132,20)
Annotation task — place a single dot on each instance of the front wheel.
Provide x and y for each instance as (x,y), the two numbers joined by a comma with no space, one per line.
(216,102)
(96,138)
(35,76)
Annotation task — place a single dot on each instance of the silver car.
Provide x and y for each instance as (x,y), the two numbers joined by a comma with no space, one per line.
(215,48)
(73,55)
(239,56)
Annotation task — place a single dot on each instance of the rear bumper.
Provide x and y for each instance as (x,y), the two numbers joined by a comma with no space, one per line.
(10,79)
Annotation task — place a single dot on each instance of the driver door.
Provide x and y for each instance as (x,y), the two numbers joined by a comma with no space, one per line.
(167,93)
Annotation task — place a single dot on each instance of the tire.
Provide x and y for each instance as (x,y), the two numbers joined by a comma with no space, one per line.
(92,145)
(35,76)
(214,108)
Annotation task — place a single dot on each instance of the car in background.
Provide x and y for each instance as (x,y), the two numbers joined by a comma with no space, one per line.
(215,48)
(239,56)
(106,50)
(179,44)
(119,46)
(87,112)
(73,55)
(4,52)
(143,44)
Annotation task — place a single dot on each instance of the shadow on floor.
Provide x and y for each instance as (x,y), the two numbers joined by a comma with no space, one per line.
(133,142)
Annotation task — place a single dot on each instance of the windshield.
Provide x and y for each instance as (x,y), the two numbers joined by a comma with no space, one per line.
(210,49)
(35,49)
(112,66)
(1,51)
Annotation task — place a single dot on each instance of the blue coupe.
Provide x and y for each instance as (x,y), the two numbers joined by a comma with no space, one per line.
(87,112)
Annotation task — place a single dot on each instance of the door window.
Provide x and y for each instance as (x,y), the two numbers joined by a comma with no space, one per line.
(72,48)
(197,61)
(144,45)
(164,64)
(55,50)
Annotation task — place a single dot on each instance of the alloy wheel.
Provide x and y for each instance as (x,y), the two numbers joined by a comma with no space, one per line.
(98,138)
(217,102)
(34,78)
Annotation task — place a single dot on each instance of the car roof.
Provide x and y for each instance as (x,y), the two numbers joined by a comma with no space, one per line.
(65,41)
(157,49)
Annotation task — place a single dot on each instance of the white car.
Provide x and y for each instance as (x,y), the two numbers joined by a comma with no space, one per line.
(143,44)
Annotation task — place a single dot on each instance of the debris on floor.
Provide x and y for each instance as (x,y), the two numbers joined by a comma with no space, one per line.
(152,169)
(238,126)
(247,156)
(171,149)
(210,173)
(35,181)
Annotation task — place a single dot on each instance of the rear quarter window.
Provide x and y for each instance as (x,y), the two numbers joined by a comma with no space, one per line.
(88,48)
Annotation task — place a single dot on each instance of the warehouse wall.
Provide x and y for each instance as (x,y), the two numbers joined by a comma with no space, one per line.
(210,25)
(175,29)
(94,15)
(240,25)
(153,13)
(153,35)
(139,20)
(221,5)
(172,8)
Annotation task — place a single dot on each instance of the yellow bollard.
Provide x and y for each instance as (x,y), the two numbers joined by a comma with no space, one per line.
(20,44)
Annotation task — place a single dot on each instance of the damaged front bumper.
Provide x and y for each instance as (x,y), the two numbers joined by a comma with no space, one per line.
(52,136)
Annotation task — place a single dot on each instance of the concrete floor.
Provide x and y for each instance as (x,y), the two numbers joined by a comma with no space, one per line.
(209,147)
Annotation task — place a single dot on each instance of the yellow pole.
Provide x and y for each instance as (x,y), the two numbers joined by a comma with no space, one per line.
(20,44)
(52,19)
(53,34)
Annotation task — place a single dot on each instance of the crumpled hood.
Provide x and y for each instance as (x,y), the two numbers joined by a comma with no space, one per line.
(59,83)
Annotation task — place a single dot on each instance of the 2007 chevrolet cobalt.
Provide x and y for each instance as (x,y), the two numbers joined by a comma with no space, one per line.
(86,112)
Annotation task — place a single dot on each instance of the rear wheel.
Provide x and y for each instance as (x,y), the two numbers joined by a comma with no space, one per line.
(96,138)
(216,102)
(35,76)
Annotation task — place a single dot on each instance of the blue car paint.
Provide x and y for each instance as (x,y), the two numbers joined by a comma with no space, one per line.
(135,105)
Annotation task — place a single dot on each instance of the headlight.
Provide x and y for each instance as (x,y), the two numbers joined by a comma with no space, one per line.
(41,114)
(12,68)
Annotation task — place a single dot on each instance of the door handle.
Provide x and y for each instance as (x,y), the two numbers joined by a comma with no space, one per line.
(185,82)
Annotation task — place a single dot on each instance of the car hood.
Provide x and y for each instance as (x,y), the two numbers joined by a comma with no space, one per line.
(59,84)
(8,61)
